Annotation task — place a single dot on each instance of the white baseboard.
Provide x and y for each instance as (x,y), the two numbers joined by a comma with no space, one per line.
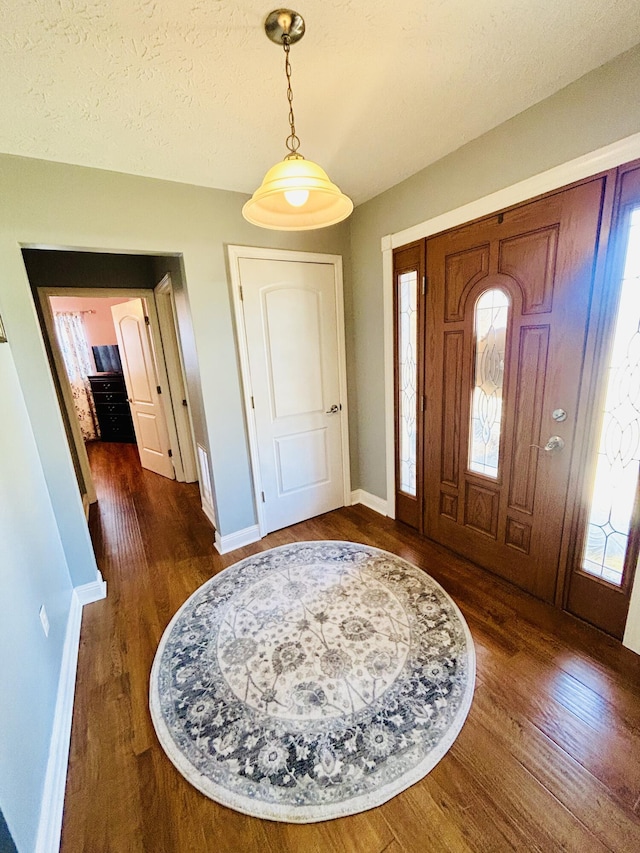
(50,825)
(90,592)
(239,539)
(359,496)
(207,509)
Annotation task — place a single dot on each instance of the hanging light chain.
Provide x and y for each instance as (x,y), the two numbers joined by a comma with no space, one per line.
(292,141)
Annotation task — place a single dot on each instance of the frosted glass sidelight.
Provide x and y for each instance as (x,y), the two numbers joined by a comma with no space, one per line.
(490,321)
(407,378)
(618,460)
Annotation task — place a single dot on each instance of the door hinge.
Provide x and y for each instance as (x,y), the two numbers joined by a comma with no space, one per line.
(147,321)
(423,403)
(184,403)
(253,405)
(241,294)
(424,284)
(158,389)
(170,452)
(263,500)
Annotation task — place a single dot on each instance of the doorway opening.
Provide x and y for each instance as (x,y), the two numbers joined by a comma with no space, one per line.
(111,331)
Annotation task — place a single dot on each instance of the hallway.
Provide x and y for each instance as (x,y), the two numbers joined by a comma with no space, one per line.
(549,758)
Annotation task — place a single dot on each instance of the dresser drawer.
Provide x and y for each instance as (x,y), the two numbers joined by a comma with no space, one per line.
(102,397)
(103,409)
(107,382)
(116,428)
(112,407)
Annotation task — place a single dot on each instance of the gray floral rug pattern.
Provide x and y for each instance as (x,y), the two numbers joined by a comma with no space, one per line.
(312,681)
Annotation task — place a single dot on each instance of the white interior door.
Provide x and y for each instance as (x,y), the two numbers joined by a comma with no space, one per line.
(138,366)
(291,330)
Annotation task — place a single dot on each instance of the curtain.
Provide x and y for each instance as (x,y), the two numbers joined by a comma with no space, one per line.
(77,360)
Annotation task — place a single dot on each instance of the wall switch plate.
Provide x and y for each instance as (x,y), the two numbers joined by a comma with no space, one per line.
(45,620)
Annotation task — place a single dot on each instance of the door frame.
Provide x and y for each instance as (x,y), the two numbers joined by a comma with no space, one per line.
(176,375)
(43,294)
(586,166)
(235,254)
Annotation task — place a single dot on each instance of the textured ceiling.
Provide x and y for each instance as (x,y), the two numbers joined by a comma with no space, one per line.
(192,90)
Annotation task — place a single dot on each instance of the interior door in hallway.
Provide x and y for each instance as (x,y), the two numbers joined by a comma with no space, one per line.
(140,376)
(507,311)
(290,318)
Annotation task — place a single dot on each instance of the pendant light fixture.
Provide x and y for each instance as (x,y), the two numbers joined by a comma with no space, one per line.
(296,194)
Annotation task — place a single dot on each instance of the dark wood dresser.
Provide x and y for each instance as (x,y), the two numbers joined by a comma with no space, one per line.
(112,407)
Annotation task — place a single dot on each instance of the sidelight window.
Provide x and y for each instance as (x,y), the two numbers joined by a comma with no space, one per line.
(490,334)
(618,461)
(407,379)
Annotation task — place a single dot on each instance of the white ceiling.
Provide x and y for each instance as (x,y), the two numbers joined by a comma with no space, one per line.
(193,91)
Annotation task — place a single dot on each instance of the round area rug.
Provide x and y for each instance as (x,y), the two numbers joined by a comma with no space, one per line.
(312,681)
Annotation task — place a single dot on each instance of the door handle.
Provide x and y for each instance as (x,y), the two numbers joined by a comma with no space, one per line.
(332,411)
(554,443)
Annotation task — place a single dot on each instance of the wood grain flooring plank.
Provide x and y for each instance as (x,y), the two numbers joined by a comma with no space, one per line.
(580,792)
(394,847)
(367,832)
(420,822)
(547,760)
(609,752)
(480,819)
(521,795)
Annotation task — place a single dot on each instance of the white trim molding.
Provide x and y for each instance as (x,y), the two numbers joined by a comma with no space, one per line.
(585,166)
(176,376)
(389,390)
(359,496)
(50,823)
(90,592)
(208,510)
(559,176)
(239,539)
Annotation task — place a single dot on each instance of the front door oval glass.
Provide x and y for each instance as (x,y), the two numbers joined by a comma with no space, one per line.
(490,335)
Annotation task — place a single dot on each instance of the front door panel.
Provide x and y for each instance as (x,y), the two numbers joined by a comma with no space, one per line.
(507,311)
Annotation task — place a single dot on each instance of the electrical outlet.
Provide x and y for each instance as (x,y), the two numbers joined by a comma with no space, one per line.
(45,620)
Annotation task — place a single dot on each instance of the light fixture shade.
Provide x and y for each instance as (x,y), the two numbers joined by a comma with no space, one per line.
(268,206)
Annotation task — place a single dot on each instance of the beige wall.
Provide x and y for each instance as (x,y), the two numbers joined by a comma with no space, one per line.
(55,205)
(33,573)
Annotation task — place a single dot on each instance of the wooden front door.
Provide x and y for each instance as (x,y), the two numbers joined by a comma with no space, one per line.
(507,311)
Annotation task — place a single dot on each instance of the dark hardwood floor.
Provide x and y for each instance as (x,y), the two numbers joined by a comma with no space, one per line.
(549,758)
